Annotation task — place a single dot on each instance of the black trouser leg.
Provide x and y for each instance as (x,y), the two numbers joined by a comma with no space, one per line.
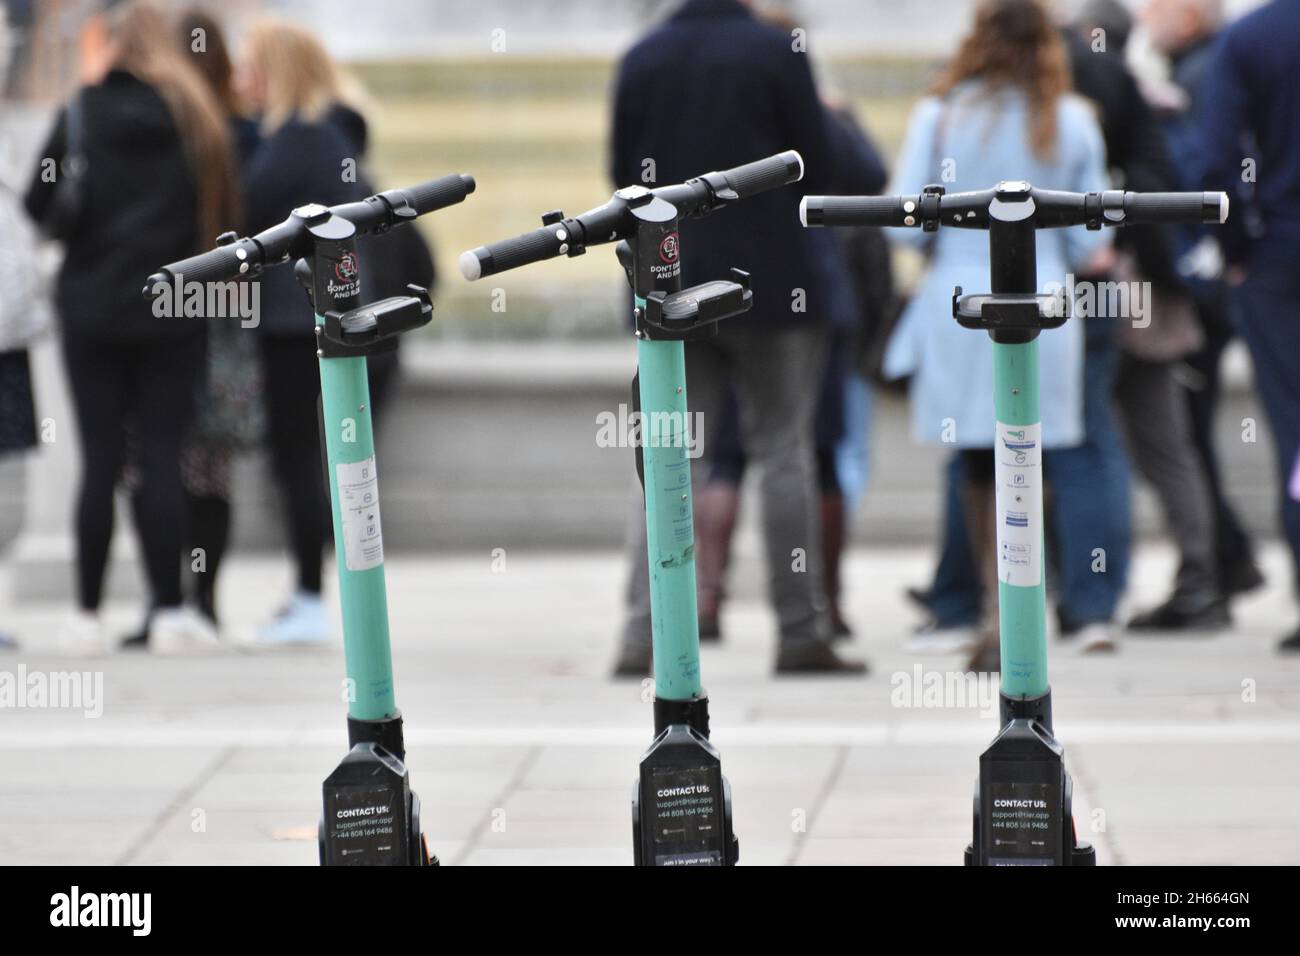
(292,387)
(167,374)
(209,530)
(99,377)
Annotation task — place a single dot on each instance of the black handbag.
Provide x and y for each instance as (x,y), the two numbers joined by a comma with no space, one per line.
(68,204)
(17,403)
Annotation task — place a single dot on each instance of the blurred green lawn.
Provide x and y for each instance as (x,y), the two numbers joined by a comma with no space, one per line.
(534,134)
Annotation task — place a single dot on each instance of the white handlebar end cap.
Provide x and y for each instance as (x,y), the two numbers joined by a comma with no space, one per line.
(470,266)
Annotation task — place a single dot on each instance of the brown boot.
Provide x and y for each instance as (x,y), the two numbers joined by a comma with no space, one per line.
(716,508)
(832,550)
(816,657)
(980,506)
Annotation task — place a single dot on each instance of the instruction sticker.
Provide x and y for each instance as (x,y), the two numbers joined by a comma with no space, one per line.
(1023,824)
(1018,474)
(668,480)
(362,825)
(687,818)
(363,540)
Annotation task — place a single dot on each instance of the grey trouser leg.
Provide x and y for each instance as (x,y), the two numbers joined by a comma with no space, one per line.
(1156,419)
(776,376)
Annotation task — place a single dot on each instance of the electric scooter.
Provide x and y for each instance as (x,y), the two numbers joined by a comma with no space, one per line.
(1022,813)
(681,802)
(371,816)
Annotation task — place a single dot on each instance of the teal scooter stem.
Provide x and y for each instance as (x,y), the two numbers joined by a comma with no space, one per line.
(681,803)
(371,816)
(1024,796)
(1022,604)
(358,542)
(670,522)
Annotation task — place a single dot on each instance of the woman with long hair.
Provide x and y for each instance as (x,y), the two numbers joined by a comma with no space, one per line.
(138,172)
(228,411)
(1001,110)
(308,139)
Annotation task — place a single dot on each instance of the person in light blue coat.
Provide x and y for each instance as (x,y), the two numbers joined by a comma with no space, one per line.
(968,140)
(1001,111)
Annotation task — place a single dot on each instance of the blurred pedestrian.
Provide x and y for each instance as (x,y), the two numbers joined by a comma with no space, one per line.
(24,317)
(711,88)
(389,262)
(1184,31)
(1250,136)
(228,399)
(308,154)
(137,172)
(1154,344)
(230,412)
(1001,110)
(843,259)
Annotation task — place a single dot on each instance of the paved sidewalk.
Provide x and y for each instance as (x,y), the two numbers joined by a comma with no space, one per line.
(523,752)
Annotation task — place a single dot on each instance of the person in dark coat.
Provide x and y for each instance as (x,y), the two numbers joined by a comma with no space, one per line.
(1184,31)
(712,88)
(1249,114)
(1149,399)
(137,173)
(228,396)
(717,505)
(308,149)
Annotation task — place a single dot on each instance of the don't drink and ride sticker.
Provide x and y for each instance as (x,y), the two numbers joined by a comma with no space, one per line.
(363,540)
(1018,474)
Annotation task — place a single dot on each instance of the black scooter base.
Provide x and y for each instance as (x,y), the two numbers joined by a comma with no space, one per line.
(371,816)
(1023,813)
(681,802)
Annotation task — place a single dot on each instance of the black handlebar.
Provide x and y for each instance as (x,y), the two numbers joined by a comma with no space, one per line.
(613,221)
(216,265)
(764,174)
(1050,208)
(535,246)
(433,195)
(1210,207)
(235,257)
(854,210)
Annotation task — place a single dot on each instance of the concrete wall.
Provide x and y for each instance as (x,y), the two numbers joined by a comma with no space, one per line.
(495,446)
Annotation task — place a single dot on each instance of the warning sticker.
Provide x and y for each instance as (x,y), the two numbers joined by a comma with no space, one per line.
(1018,474)
(358,489)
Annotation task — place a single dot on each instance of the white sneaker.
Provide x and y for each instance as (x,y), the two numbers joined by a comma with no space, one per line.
(303,623)
(1095,638)
(82,635)
(179,631)
(942,640)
